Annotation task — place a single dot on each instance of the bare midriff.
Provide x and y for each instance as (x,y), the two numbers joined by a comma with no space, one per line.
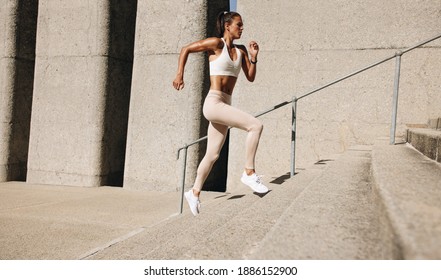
(223,83)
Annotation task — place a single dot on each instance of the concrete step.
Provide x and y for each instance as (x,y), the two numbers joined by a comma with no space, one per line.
(174,237)
(243,226)
(337,216)
(357,205)
(427,141)
(227,229)
(409,185)
(240,236)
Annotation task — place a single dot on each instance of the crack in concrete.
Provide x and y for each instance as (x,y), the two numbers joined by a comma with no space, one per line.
(122,238)
(111,243)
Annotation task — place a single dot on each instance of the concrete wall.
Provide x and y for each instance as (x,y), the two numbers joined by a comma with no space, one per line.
(305,44)
(93,123)
(81,94)
(18,22)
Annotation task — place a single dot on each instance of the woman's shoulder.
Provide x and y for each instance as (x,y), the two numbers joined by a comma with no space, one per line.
(218,41)
(214,42)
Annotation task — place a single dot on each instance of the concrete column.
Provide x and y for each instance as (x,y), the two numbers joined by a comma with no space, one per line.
(162,119)
(81,95)
(18,21)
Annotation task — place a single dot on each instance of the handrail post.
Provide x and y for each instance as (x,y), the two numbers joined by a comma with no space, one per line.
(184,169)
(395,97)
(293,136)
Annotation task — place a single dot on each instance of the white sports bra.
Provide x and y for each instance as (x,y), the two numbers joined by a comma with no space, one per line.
(224,66)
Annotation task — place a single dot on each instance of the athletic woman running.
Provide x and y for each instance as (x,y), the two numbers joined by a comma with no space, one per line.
(226,59)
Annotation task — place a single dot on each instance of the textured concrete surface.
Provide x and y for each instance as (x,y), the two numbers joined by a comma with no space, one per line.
(368,203)
(312,43)
(18,24)
(227,229)
(58,222)
(435,123)
(337,216)
(427,141)
(410,187)
(82,89)
(113,126)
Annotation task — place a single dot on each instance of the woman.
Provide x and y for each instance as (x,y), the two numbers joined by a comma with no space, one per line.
(226,59)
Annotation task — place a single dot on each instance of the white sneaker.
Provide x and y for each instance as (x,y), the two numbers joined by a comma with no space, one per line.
(253,181)
(193,202)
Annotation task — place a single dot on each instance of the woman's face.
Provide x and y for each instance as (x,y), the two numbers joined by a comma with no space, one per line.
(235,27)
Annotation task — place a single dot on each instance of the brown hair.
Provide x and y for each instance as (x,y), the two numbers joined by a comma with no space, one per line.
(222,18)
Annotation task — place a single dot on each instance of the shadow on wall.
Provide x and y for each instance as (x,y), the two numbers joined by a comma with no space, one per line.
(22,75)
(121,43)
(217,179)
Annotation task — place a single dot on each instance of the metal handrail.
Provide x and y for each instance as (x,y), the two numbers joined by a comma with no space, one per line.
(295,99)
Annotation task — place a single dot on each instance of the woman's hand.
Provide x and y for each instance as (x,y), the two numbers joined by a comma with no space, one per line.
(178,83)
(253,50)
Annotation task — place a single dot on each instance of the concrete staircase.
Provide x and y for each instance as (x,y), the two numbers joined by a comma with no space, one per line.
(427,140)
(372,202)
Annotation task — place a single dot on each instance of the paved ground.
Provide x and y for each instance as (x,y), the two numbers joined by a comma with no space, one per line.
(57,222)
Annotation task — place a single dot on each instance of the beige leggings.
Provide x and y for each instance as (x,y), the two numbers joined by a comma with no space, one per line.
(218,110)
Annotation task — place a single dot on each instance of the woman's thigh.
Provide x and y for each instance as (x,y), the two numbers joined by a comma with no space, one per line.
(219,112)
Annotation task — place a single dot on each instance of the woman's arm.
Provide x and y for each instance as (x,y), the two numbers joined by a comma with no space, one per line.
(249,64)
(209,44)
